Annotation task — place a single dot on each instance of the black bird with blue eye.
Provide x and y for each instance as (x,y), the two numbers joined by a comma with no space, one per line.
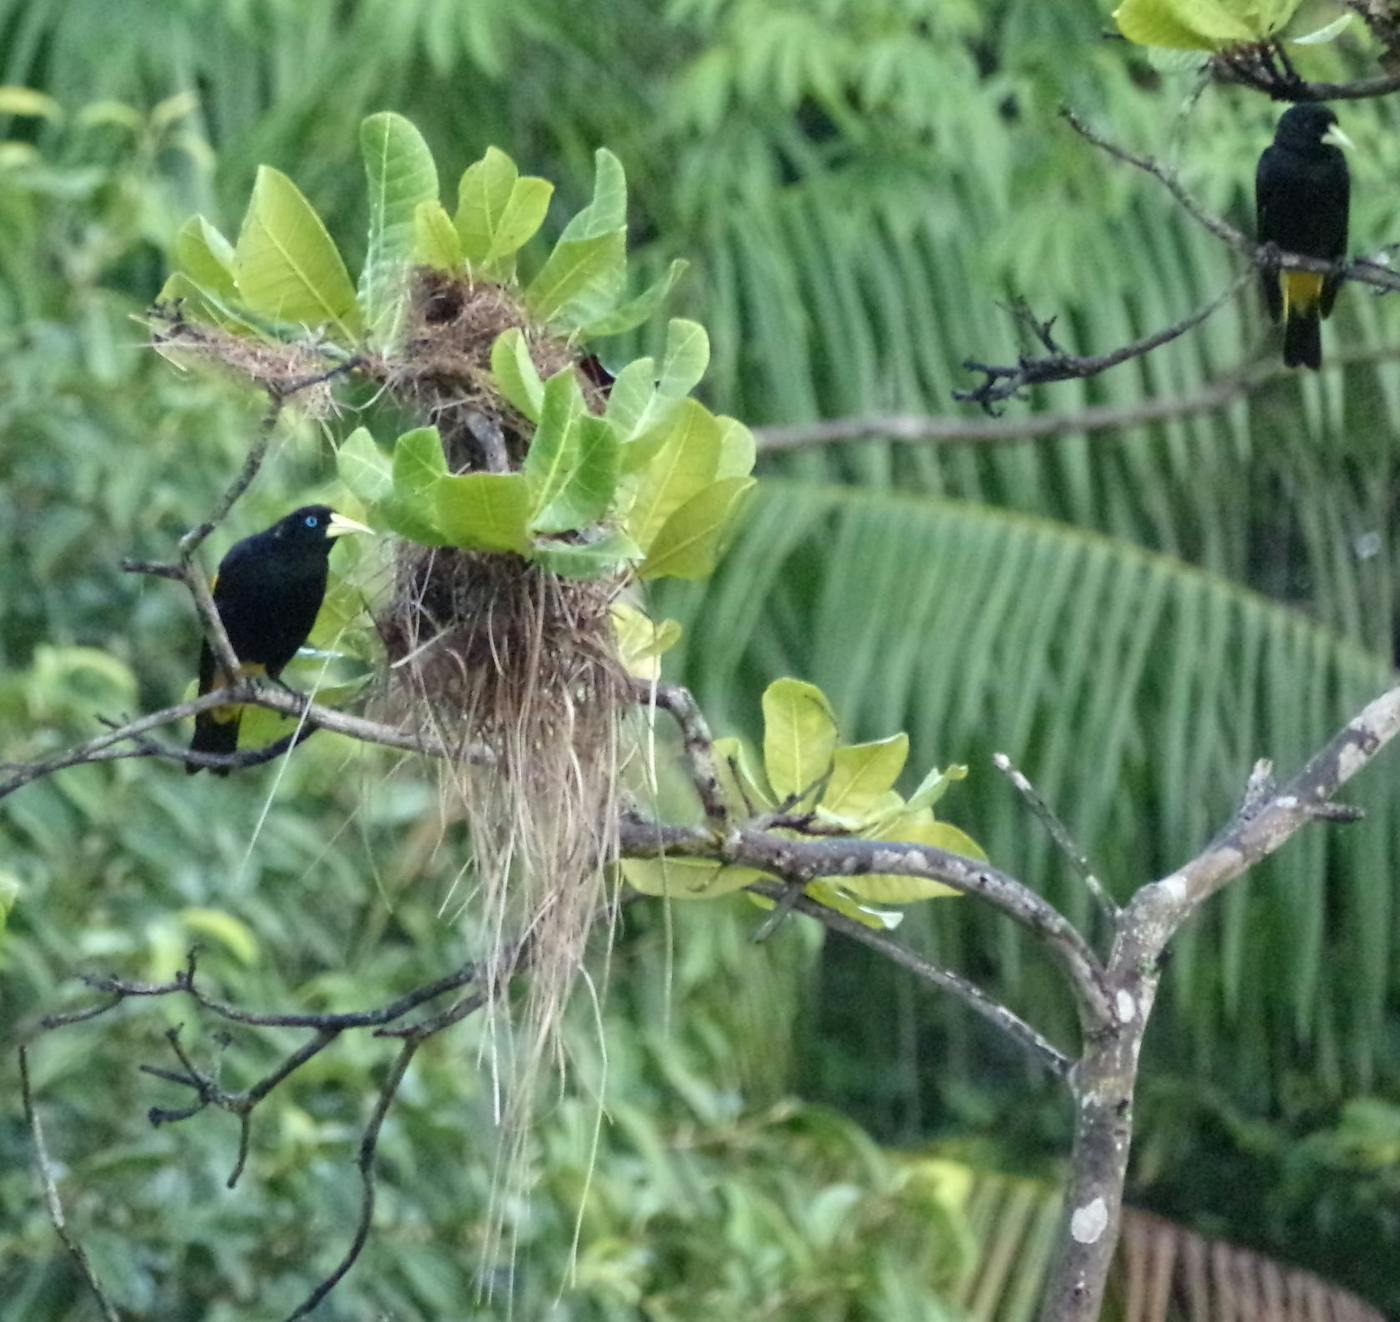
(268,590)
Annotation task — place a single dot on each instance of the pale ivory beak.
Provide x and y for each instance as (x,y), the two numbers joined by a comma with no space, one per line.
(1334,137)
(339,526)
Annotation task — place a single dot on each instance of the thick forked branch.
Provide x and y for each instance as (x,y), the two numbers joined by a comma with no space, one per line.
(1105,1076)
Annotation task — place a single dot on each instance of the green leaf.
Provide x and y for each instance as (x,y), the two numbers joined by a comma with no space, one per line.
(232,933)
(684,466)
(692,540)
(737,449)
(419,466)
(365,469)
(482,197)
(589,479)
(837,897)
(204,255)
(402,176)
(641,642)
(740,782)
(1184,24)
(686,878)
(484,511)
(1328,32)
(686,357)
(934,786)
(435,241)
(553,446)
(286,265)
(639,309)
(606,213)
(517,378)
(27,103)
(581,280)
(863,774)
(524,213)
(632,391)
(799,737)
(602,557)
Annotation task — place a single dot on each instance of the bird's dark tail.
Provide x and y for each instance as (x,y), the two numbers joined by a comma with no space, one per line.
(1303,296)
(212,735)
(1302,338)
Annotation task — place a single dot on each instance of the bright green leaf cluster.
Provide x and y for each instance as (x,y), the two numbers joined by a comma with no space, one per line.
(652,482)
(285,275)
(844,787)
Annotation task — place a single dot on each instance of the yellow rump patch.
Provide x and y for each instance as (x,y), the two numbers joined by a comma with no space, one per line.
(1301,291)
(223,715)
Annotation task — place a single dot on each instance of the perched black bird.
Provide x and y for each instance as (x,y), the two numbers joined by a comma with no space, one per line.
(268,589)
(1303,192)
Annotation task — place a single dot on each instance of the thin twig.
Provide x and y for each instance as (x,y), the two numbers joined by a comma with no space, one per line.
(1044,1052)
(250,693)
(1059,833)
(44,1166)
(369,1141)
(1007,381)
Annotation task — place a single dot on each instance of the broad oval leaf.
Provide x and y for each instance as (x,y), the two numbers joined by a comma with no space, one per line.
(641,642)
(639,309)
(606,212)
(584,482)
(581,280)
(516,375)
(483,194)
(684,466)
(204,255)
(419,465)
(686,878)
(365,469)
(435,241)
(402,176)
(685,359)
(484,511)
(799,738)
(1189,24)
(286,264)
(692,540)
(862,774)
(553,447)
(524,213)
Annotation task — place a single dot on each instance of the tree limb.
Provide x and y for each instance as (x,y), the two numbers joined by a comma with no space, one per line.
(1041,1050)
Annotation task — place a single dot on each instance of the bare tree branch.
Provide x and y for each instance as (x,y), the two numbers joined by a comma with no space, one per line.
(920,428)
(1016,1028)
(249,693)
(801,861)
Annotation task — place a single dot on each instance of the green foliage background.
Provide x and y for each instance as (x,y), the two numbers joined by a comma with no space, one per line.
(1133,616)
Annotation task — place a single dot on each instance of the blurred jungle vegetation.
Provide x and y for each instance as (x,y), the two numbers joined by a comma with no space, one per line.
(793,1129)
